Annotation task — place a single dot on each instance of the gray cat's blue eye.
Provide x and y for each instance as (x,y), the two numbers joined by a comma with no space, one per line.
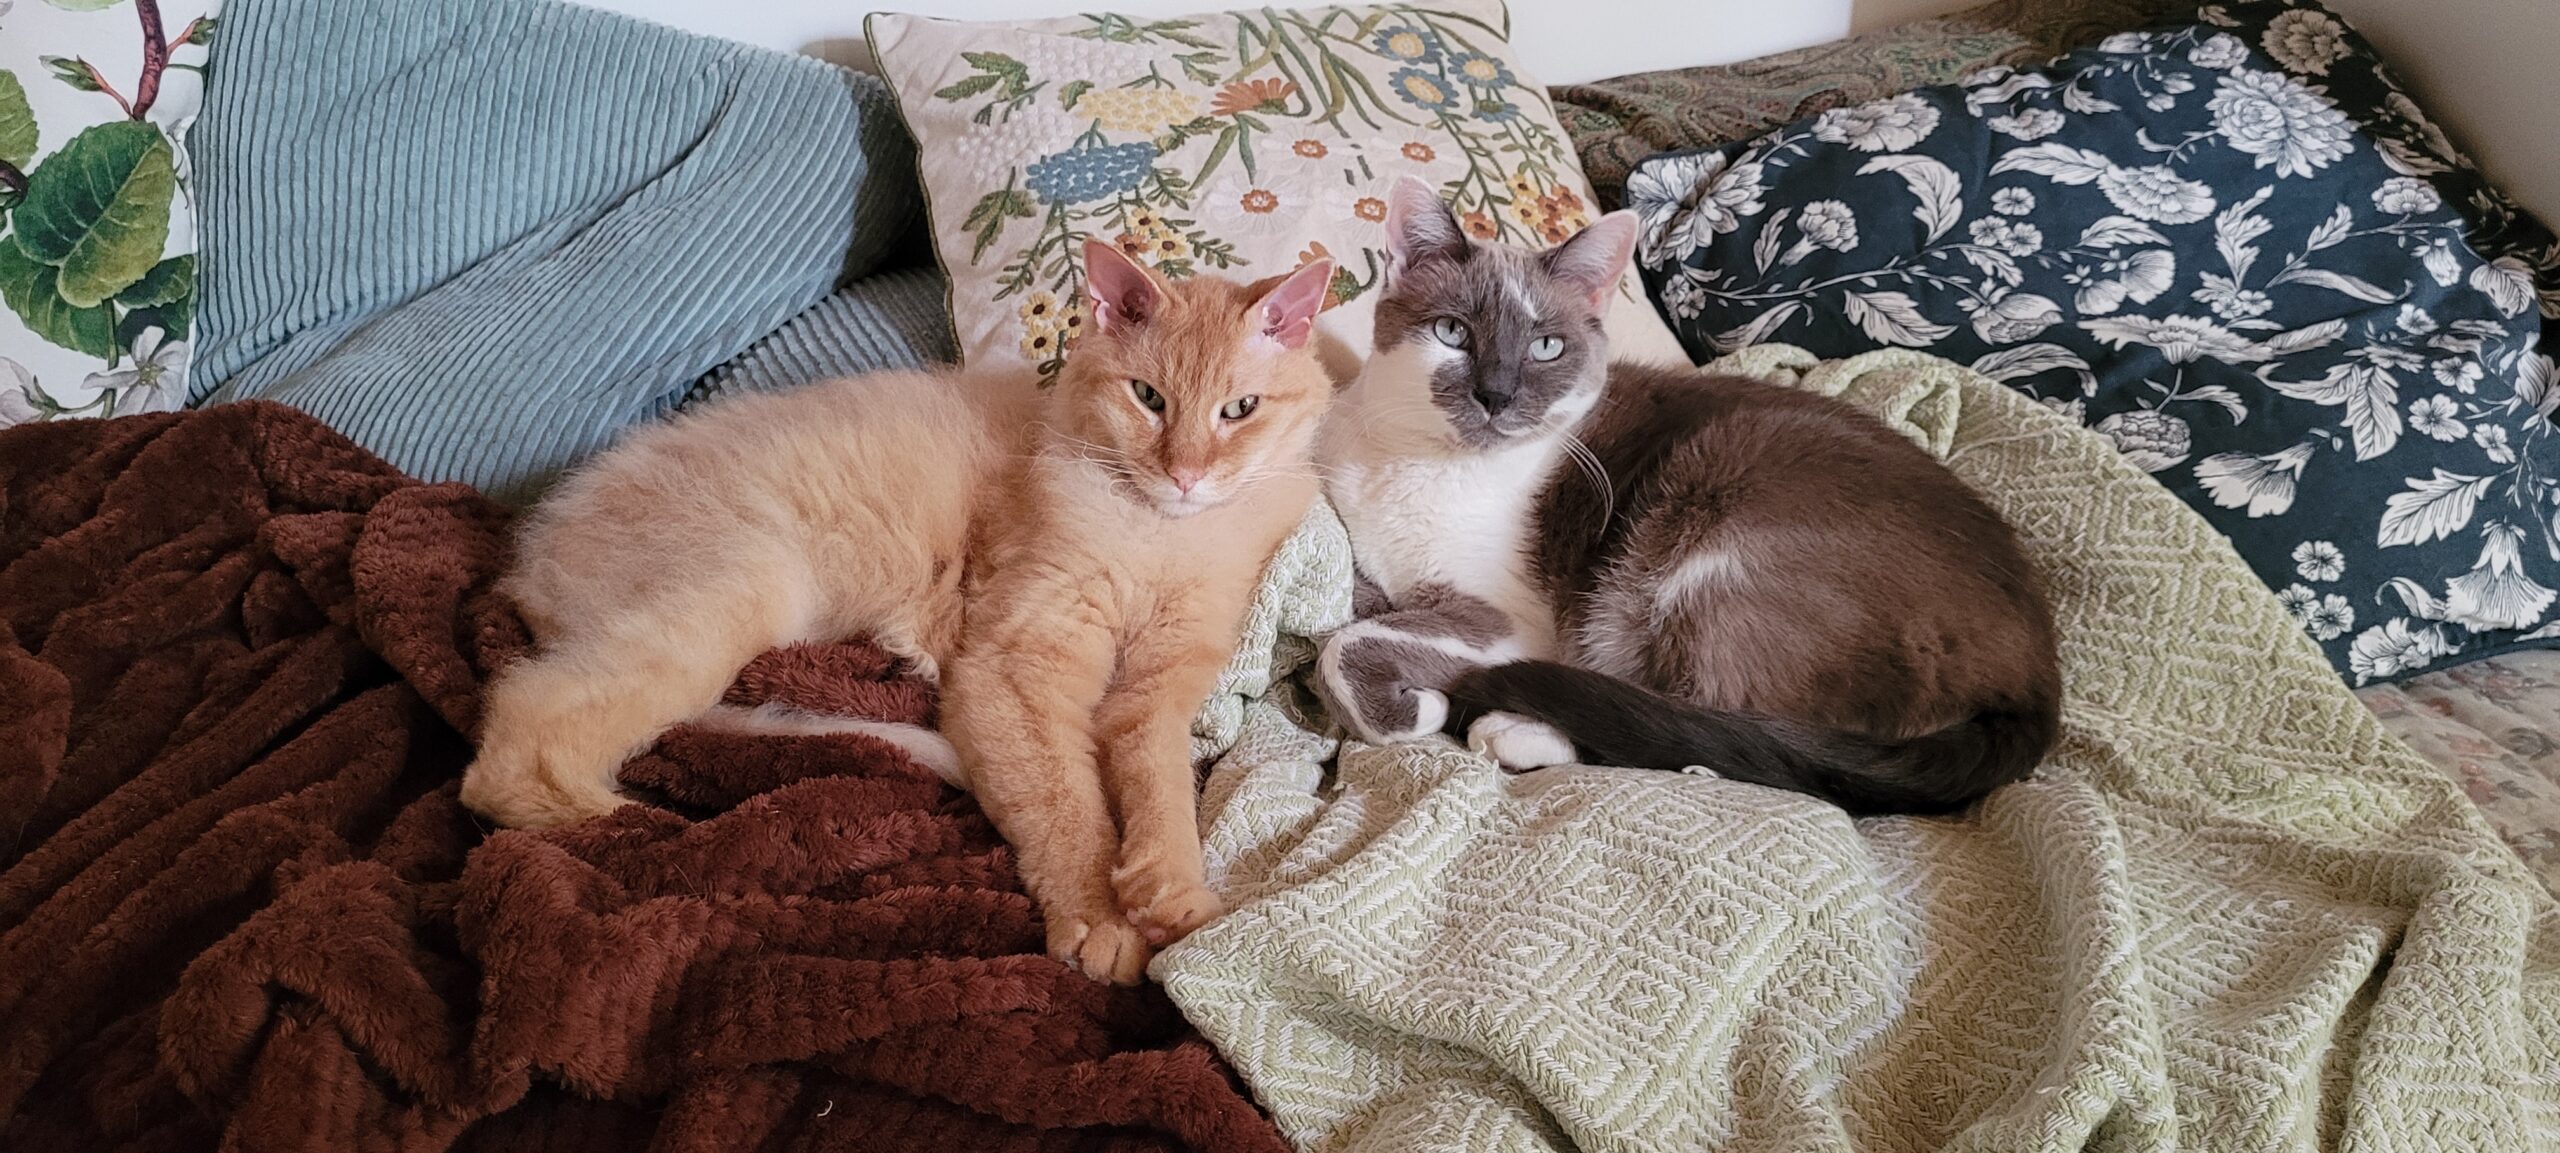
(1546,348)
(1450,331)
(1147,395)
(1240,408)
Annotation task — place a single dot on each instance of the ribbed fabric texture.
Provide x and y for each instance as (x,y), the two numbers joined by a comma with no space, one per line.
(480,236)
(891,320)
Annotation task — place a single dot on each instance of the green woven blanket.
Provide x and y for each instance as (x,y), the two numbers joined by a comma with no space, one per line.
(2230,913)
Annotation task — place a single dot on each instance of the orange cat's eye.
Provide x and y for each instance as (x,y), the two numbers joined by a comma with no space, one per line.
(1147,395)
(1240,408)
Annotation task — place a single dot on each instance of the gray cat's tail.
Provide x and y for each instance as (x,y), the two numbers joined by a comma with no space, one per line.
(1616,722)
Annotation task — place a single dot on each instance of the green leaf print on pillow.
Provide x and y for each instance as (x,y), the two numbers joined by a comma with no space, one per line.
(171,279)
(29,288)
(17,124)
(98,210)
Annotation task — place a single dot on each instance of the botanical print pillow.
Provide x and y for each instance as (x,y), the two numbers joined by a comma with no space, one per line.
(97,241)
(2233,246)
(1244,144)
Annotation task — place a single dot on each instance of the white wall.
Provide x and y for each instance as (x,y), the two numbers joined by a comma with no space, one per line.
(2490,70)
(1562,41)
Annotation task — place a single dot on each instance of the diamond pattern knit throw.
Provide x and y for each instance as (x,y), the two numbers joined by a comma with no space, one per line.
(2230,913)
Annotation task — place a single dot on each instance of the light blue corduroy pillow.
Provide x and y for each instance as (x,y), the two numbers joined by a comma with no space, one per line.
(481,236)
(896,319)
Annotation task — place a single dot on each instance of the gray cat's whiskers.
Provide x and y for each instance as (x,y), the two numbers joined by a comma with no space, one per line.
(1598,472)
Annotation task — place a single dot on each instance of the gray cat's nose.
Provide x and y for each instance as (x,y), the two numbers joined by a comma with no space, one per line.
(1493,402)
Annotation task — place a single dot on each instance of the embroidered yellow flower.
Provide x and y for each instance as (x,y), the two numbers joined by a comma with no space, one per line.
(1039,342)
(1039,308)
(1139,111)
(1149,238)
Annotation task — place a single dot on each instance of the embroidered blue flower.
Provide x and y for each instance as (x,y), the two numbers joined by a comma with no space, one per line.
(1089,172)
(1423,90)
(1411,45)
(1480,70)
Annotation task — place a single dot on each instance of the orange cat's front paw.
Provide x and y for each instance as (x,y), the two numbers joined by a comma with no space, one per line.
(1172,916)
(1106,950)
(1166,911)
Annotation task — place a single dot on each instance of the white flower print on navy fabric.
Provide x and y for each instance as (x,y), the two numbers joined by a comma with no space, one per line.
(2395,648)
(2235,250)
(2306,40)
(2030,124)
(2319,560)
(2285,123)
(1888,125)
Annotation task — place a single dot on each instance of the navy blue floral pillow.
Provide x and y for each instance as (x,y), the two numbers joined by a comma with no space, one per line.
(2235,248)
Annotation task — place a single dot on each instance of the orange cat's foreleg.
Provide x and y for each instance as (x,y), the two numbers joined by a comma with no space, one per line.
(1018,703)
(1144,730)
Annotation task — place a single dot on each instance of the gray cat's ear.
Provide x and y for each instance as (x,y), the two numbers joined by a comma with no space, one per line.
(1124,293)
(1593,259)
(1420,227)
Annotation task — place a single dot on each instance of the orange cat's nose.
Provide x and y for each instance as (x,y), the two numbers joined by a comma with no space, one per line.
(1185,478)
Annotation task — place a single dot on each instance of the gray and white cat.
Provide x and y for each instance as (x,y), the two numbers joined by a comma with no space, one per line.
(1657,567)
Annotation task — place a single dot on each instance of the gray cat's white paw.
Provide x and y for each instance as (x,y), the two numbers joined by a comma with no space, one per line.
(1430,712)
(1367,692)
(1519,743)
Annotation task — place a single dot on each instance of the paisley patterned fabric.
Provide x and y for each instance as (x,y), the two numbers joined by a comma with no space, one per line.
(1617,123)
(2236,248)
(2494,726)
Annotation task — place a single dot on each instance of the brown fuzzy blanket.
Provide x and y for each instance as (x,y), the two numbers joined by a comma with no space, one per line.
(242,908)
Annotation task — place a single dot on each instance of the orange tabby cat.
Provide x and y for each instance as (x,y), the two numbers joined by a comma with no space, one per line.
(1074,565)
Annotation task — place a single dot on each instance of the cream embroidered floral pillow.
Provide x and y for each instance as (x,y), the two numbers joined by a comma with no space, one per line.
(97,239)
(1243,144)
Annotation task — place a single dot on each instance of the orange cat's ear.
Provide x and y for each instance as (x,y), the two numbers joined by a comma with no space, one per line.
(1286,315)
(1125,295)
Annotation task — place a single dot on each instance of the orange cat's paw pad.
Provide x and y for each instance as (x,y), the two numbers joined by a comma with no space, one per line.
(1175,911)
(1110,951)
